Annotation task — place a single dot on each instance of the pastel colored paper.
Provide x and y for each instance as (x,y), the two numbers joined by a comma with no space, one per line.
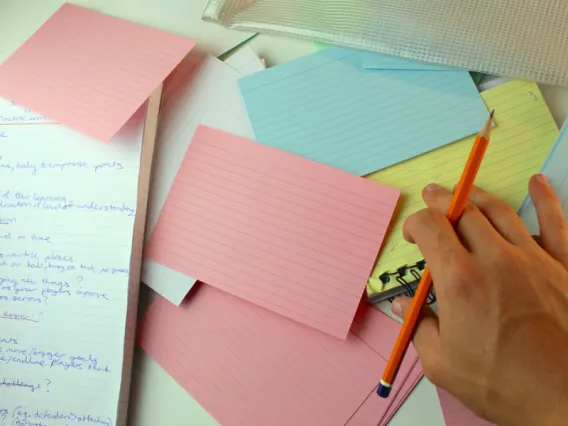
(456,414)
(90,71)
(414,377)
(325,107)
(294,236)
(372,412)
(557,172)
(201,90)
(247,365)
(521,140)
(245,61)
(376,61)
(377,330)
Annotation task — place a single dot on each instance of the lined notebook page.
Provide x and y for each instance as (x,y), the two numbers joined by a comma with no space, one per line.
(457,414)
(296,237)
(325,107)
(201,90)
(13,114)
(557,172)
(65,255)
(248,366)
(523,135)
(90,71)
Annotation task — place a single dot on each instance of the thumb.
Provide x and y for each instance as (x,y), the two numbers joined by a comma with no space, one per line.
(427,335)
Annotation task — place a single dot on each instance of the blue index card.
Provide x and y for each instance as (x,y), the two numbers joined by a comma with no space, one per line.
(555,169)
(325,107)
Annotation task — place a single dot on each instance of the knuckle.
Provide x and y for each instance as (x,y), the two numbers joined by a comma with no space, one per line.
(497,207)
(418,220)
(561,226)
(461,275)
(505,256)
(470,209)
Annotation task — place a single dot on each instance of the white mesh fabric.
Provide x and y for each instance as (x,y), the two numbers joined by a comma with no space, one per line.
(517,38)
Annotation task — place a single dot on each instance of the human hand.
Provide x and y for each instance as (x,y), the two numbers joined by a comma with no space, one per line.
(500,340)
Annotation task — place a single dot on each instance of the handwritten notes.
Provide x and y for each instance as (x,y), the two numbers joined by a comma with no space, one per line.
(247,365)
(90,71)
(278,230)
(202,90)
(522,138)
(11,113)
(325,107)
(69,203)
(557,172)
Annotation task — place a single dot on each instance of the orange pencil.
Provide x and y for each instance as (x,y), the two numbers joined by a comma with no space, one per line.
(455,211)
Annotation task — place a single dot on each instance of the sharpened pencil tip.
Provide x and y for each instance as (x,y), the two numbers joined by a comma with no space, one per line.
(492,114)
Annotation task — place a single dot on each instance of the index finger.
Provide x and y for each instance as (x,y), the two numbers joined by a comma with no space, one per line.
(435,237)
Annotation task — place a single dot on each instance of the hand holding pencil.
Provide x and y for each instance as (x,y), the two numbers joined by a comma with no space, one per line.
(455,211)
(500,339)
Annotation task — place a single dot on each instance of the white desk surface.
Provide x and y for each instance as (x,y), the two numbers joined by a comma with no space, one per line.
(156,399)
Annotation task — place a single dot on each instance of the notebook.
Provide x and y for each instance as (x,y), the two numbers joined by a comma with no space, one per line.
(522,138)
(13,113)
(202,90)
(247,365)
(457,414)
(325,107)
(96,70)
(70,264)
(557,172)
(275,223)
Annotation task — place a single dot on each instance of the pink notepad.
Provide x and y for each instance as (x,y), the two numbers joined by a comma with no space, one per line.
(457,414)
(248,366)
(90,71)
(283,232)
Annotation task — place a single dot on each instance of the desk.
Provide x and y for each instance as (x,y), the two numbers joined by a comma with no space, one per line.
(156,399)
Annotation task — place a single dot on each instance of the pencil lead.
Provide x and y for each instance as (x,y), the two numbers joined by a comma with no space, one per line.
(492,114)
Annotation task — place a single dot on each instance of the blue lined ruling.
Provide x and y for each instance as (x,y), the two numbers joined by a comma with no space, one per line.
(325,107)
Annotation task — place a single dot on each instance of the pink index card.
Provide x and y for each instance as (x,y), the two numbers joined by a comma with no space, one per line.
(407,387)
(379,332)
(286,233)
(457,414)
(368,319)
(90,71)
(249,366)
(377,411)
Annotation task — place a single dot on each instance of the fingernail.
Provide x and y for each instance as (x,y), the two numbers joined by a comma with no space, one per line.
(396,309)
(541,178)
(431,187)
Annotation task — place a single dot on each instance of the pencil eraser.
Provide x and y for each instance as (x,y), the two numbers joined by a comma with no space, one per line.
(383,391)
